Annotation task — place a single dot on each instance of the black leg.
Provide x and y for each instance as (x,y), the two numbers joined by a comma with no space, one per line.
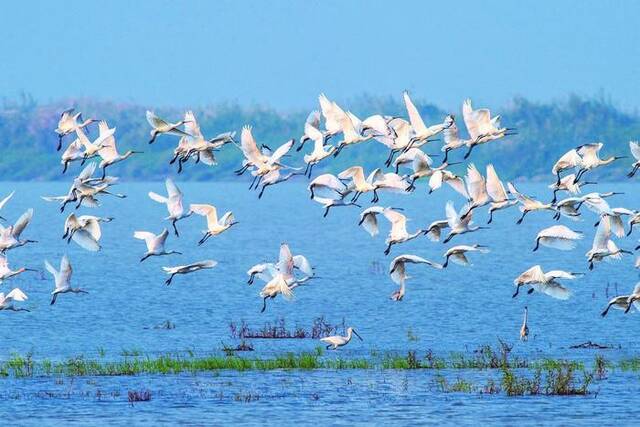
(175,229)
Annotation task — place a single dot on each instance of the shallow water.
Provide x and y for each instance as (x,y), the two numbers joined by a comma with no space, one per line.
(456,309)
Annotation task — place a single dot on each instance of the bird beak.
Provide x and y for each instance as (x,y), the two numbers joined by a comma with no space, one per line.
(357,334)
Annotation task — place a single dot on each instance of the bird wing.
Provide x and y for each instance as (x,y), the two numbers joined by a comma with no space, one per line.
(209,263)
(206,210)
(532,275)
(553,289)
(15,295)
(6,199)
(414,116)
(302,263)
(22,223)
(414,259)
(453,219)
(435,181)
(603,234)
(108,151)
(476,185)
(227,218)
(172,188)
(85,240)
(87,172)
(495,188)
(158,198)
(155,121)
(313,133)
(558,274)
(635,149)
(191,126)
(460,258)
(369,219)
(522,198)
(249,147)
(281,151)
(421,161)
(313,119)
(208,158)
(285,260)
(147,236)
(470,119)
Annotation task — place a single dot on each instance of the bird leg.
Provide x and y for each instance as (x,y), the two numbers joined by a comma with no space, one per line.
(263,187)
(412,185)
(66,165)
(241,170)
(175,229)
(180,165)
(490,216)
(375,197)
(522,217)
(517,292)
(145,257)
(390,158)
(204,238)
(173,160)
(253,182)
(264,304)
(59,143)
(446,155)
(104,171)
(168,281)
(468,153)
(386,251)
(537,245)
(311,169)
(326,211)
(633,171)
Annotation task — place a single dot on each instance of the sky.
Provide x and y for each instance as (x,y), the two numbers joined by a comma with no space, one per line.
(284,53)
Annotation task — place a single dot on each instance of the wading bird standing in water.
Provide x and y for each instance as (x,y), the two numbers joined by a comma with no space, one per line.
(524,330)
(336,341)
(62,279)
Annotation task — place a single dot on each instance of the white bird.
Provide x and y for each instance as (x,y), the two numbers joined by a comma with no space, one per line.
(434,231)
(4,202)
(84,230)
(569,160)
(623,302)
(320,151)
(6,301)
(332,114)
(109,152)
(336,341)
(350,134)
(497,193)
(10,236)
(155,243)
(481,127)
(569,208)
(422,167)
(459,223)
(215,226)
(275,177)
(6,272)
(634,146)
(173,200)
(330,192)
(62,279)
(590,155)
(313,119)
(92,149)
(528,204)
(603,247)
(186,269)
(68,123)
(264,271)
(74,152)
(451,136)
(524,330)
(567,183)
(358,182)
(397,271)
(545,283)
(420,132)
(398,233)
(457,254)
(281,279)
(558,237)
(160,126)
(476,188)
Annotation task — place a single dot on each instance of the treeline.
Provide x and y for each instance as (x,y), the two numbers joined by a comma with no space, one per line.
(545,131)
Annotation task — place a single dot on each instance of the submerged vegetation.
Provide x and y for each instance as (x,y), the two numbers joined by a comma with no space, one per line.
(320,328)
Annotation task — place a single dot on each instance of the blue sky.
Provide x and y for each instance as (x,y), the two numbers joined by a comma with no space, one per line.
(280,53)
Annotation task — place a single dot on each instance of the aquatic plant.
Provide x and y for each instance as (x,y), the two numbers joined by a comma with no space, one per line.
(139,396)
(319,328)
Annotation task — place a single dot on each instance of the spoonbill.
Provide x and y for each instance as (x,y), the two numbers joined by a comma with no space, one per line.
(635,152)
(546,283)
(524,330)
(481,126)
(528,204)
(476,188)
(275,177)
(320,151)
(590,155)
(6,301)
(160,126)
(497,193)
(452,140)
(604,248)
(109,152)
(68,123)
(397,271)
(568,183)
(459,223)
(6,272)
(622,302)
(92,149)
(186,269)
(569,160)
(434,231)
(335,341)
(62,279)
(84,230)
(74,152)
(173,200)
(10,236)
(155,243)
(419,130)
(458,255)
(313,120)
(215,226)
(558,237)
(332,114)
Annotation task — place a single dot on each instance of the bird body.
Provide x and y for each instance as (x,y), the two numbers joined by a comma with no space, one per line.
(215,226)
(336,341)
(187,269)
(62,279)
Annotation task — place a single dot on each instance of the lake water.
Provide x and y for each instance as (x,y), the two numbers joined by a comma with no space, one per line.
(456,309)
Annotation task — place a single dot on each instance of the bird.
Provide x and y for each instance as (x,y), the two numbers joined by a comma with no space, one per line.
(92,149)
(68,123)
(398,233)
(359,183)
(476,188)
(421,166)
(173,200)
(186,269)
(545,283)
(569,160)
(6,272)
(4,202)
(604,248)
(590,158)
(634,220)
(74,152)
(558,237)
(10,236)
(335,341)
(155,243)
(457,254)
(527,203)
(434,231)
(261,163)
(215,226)
(622,302)
(397,271)
(6,301)
(276,177)
(568,183)
(420,132)
(524,330)
(263,271)
(459,223)
(497,193)
(350,134)
(320,151)
(160,126)
(451,136)
(441,175)
(62,279)
(109,151)
(330,192)
(84,230)
(481,127)
(634,146)
(313,120)
(332,114)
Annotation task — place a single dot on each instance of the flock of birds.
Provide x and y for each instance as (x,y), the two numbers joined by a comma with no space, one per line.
(405,140)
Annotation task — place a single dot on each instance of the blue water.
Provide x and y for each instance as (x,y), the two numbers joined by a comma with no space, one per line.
(456,309)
